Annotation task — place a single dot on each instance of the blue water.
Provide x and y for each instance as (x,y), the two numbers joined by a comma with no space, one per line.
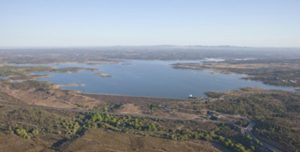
(150,78)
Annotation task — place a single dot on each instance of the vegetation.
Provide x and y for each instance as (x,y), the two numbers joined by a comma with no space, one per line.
(71,126)
(22,133)
(36,122)
(274,112)
(275,72)
(23,72)
(145,126)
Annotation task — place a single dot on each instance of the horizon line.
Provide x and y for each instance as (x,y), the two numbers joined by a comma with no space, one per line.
(157,45)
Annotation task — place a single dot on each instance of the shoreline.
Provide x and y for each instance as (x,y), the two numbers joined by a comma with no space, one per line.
(113,98)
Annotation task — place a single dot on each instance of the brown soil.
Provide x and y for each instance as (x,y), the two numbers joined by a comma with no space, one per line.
(52,97)
(129,108)
(129,99)
(106,141)
(13,143)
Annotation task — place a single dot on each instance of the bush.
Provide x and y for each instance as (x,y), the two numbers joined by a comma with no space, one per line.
(22,133)
(71,126)
(35,132)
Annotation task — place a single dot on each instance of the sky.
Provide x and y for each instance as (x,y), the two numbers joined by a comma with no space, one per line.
(71,23)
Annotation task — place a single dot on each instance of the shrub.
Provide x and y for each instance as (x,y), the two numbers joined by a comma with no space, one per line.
(22,133)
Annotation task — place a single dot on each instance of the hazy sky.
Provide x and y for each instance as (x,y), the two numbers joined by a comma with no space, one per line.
(149,22)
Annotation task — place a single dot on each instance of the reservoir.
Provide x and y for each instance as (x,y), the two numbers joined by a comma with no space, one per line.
(148,78)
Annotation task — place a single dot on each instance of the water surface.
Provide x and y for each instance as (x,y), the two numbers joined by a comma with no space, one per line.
(150,78)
